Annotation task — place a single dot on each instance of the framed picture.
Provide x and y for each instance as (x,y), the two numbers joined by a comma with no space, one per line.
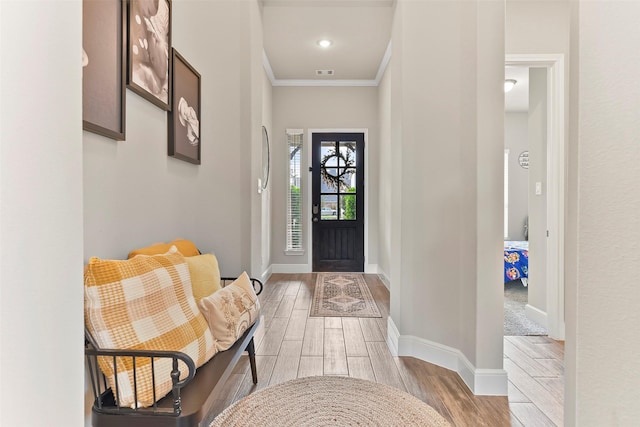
(103,68)
(148,50)
(185,113)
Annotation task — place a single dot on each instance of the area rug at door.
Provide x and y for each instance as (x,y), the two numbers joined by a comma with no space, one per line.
(329,401)
(343,295)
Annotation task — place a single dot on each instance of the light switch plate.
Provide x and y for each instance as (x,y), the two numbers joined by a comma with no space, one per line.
(538,188)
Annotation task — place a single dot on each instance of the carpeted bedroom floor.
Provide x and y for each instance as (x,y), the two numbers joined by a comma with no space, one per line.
(516,322)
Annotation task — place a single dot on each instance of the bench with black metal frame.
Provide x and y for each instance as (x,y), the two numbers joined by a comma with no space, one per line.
(192,399)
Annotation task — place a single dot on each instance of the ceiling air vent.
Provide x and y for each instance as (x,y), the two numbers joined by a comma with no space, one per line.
(324,72)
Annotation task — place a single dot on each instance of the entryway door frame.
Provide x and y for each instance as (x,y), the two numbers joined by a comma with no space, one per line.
(556,170)
(368,268)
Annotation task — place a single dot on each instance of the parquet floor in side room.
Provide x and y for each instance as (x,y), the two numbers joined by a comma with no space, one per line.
(290,344)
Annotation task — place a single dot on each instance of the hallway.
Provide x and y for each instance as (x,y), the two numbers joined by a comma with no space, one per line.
(290,344)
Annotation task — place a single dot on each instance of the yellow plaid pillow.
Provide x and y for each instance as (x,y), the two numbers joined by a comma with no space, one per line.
(144,303)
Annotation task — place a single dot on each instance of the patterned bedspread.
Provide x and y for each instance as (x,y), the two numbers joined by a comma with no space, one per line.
(516,260)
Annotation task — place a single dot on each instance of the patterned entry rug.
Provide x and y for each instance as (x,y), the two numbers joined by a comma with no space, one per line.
(329,401)
(343,295)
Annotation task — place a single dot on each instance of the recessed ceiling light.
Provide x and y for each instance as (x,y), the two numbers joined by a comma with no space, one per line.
(325,43)
(509,84)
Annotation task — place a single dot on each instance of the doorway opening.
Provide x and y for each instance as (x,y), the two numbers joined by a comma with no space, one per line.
(548,219)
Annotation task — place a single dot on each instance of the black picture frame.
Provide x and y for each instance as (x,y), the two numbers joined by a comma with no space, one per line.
(184,118)
(104,68)
(149,50)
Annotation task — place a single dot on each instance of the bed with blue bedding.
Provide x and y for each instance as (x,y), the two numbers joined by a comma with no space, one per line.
(516,261)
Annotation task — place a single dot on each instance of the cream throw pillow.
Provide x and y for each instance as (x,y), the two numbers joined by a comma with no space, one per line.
(205,275)
(231,311)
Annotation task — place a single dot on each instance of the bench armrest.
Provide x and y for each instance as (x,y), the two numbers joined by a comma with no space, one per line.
(257,284)
(101,391)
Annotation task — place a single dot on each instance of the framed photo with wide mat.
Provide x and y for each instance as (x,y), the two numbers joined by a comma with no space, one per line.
(148,50)
(103,68)
(184,117)
(343,295)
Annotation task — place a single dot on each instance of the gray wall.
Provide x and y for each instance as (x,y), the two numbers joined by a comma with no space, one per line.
(319,108)
(607,313)
(516,140)
(41,301)
(134,194)
(447,142)
(537,126)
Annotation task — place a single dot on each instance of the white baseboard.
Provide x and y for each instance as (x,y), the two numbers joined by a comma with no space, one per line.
(384,278)
(267,273)
(290,268)
(371,269)
(392,337)
(485,382)
(536,315)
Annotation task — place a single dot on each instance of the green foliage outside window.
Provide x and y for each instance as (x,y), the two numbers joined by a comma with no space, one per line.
(350,204)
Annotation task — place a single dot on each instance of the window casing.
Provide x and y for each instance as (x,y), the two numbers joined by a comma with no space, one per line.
(294,192)
(506,193)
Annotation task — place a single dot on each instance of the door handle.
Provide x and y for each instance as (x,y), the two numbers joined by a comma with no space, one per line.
(315,209)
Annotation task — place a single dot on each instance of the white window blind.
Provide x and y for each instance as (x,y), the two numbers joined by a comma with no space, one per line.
(506,193)
(294,191)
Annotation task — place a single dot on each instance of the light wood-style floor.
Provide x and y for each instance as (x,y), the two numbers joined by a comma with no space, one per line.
(290,344)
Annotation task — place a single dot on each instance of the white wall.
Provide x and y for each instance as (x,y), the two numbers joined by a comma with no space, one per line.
(537,129)
(41,334)
(516,140)
(607,344)
(318,108)
(447,126)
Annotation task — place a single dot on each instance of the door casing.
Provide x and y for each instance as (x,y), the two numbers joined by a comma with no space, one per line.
(556,172)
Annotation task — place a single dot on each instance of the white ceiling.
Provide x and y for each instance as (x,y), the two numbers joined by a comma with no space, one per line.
(360,31)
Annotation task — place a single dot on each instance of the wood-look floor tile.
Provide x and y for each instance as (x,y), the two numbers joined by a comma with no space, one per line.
(555,386)
(458,401)
(538,395)
(286,306)
(292,288)
(515,395)
(303,299)
(291,344)
(353,338)
(333,323)
(287,364)
(313,343)
(264,367)
(335,354)
(296,326)
(529,415)
(370,329)
(522,359)
(270,345)
(310,366)
(384,366)
(360,367)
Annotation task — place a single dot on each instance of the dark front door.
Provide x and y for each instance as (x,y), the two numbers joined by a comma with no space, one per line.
(338,201)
